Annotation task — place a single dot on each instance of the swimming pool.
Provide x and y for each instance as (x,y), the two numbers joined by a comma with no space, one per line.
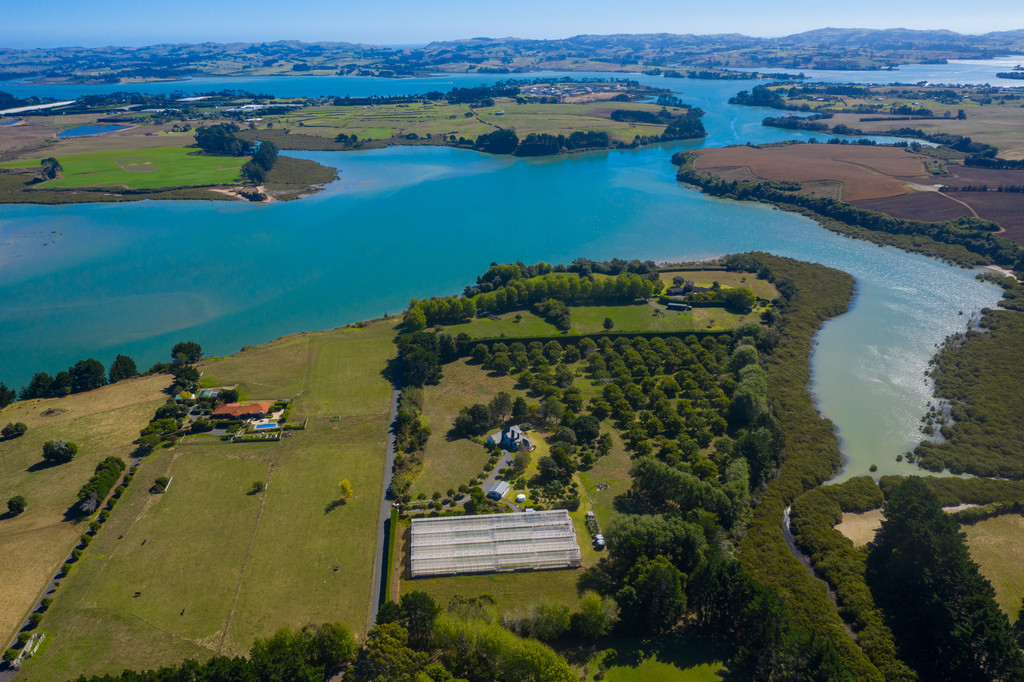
(267,426)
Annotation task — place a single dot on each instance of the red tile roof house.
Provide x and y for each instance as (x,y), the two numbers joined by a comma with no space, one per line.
(239,411)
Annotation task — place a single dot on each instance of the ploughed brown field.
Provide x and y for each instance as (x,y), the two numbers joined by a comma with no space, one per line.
(886,179)
(865,172)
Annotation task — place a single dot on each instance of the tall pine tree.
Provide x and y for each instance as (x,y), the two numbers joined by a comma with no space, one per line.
(941,609)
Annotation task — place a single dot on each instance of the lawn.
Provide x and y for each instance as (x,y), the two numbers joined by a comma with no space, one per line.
(996,545)
(141,169)
(103,422)
(221,567)
(626,659)
(762,288)
(506,325)
(447,463)
(637,317)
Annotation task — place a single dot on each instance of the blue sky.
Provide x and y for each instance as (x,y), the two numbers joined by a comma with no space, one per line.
(120,22)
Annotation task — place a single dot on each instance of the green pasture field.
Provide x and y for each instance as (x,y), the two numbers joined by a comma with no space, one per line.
(996,545)
(637,317)
(221,566)
(440,118)
(33,544)
(141,169)
(506,325)
(762,288)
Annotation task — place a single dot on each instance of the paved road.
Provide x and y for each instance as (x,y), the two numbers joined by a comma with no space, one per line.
(379,572)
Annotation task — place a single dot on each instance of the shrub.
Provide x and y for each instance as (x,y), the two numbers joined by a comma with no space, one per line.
(59,451)
(13,430)
(16,504)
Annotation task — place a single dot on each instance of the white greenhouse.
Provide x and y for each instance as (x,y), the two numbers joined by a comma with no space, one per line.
(492,543)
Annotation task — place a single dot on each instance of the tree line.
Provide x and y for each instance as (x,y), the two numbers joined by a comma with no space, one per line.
(684,126)
(89,374)
(569,289)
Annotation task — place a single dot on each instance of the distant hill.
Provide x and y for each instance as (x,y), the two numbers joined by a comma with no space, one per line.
(832,48)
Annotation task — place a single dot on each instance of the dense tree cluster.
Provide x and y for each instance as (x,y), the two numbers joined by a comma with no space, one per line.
(7,395)
(122,368)
(96,488)
(422,354)
(263,159)
(411,429)
(760,96)
(502,141)
(220,140)
(941,608)
(84,375)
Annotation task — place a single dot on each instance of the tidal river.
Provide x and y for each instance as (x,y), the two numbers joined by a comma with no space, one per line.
(97,280)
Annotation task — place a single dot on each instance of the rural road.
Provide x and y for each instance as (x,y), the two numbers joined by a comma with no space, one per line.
(379,569)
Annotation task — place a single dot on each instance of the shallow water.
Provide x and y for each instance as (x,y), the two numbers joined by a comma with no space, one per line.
(81,131)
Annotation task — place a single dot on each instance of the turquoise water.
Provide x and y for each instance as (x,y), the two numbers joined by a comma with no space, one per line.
(97,280)
(79,131)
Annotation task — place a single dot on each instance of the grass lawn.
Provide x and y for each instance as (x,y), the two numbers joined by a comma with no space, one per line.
(449,463)
(996,546)
(33,544)
(613,470)
(762,288)
(241,566)
(669,660)
(638,317)
(141,169)
(506,326)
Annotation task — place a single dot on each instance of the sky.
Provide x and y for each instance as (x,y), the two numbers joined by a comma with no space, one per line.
(404,22)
